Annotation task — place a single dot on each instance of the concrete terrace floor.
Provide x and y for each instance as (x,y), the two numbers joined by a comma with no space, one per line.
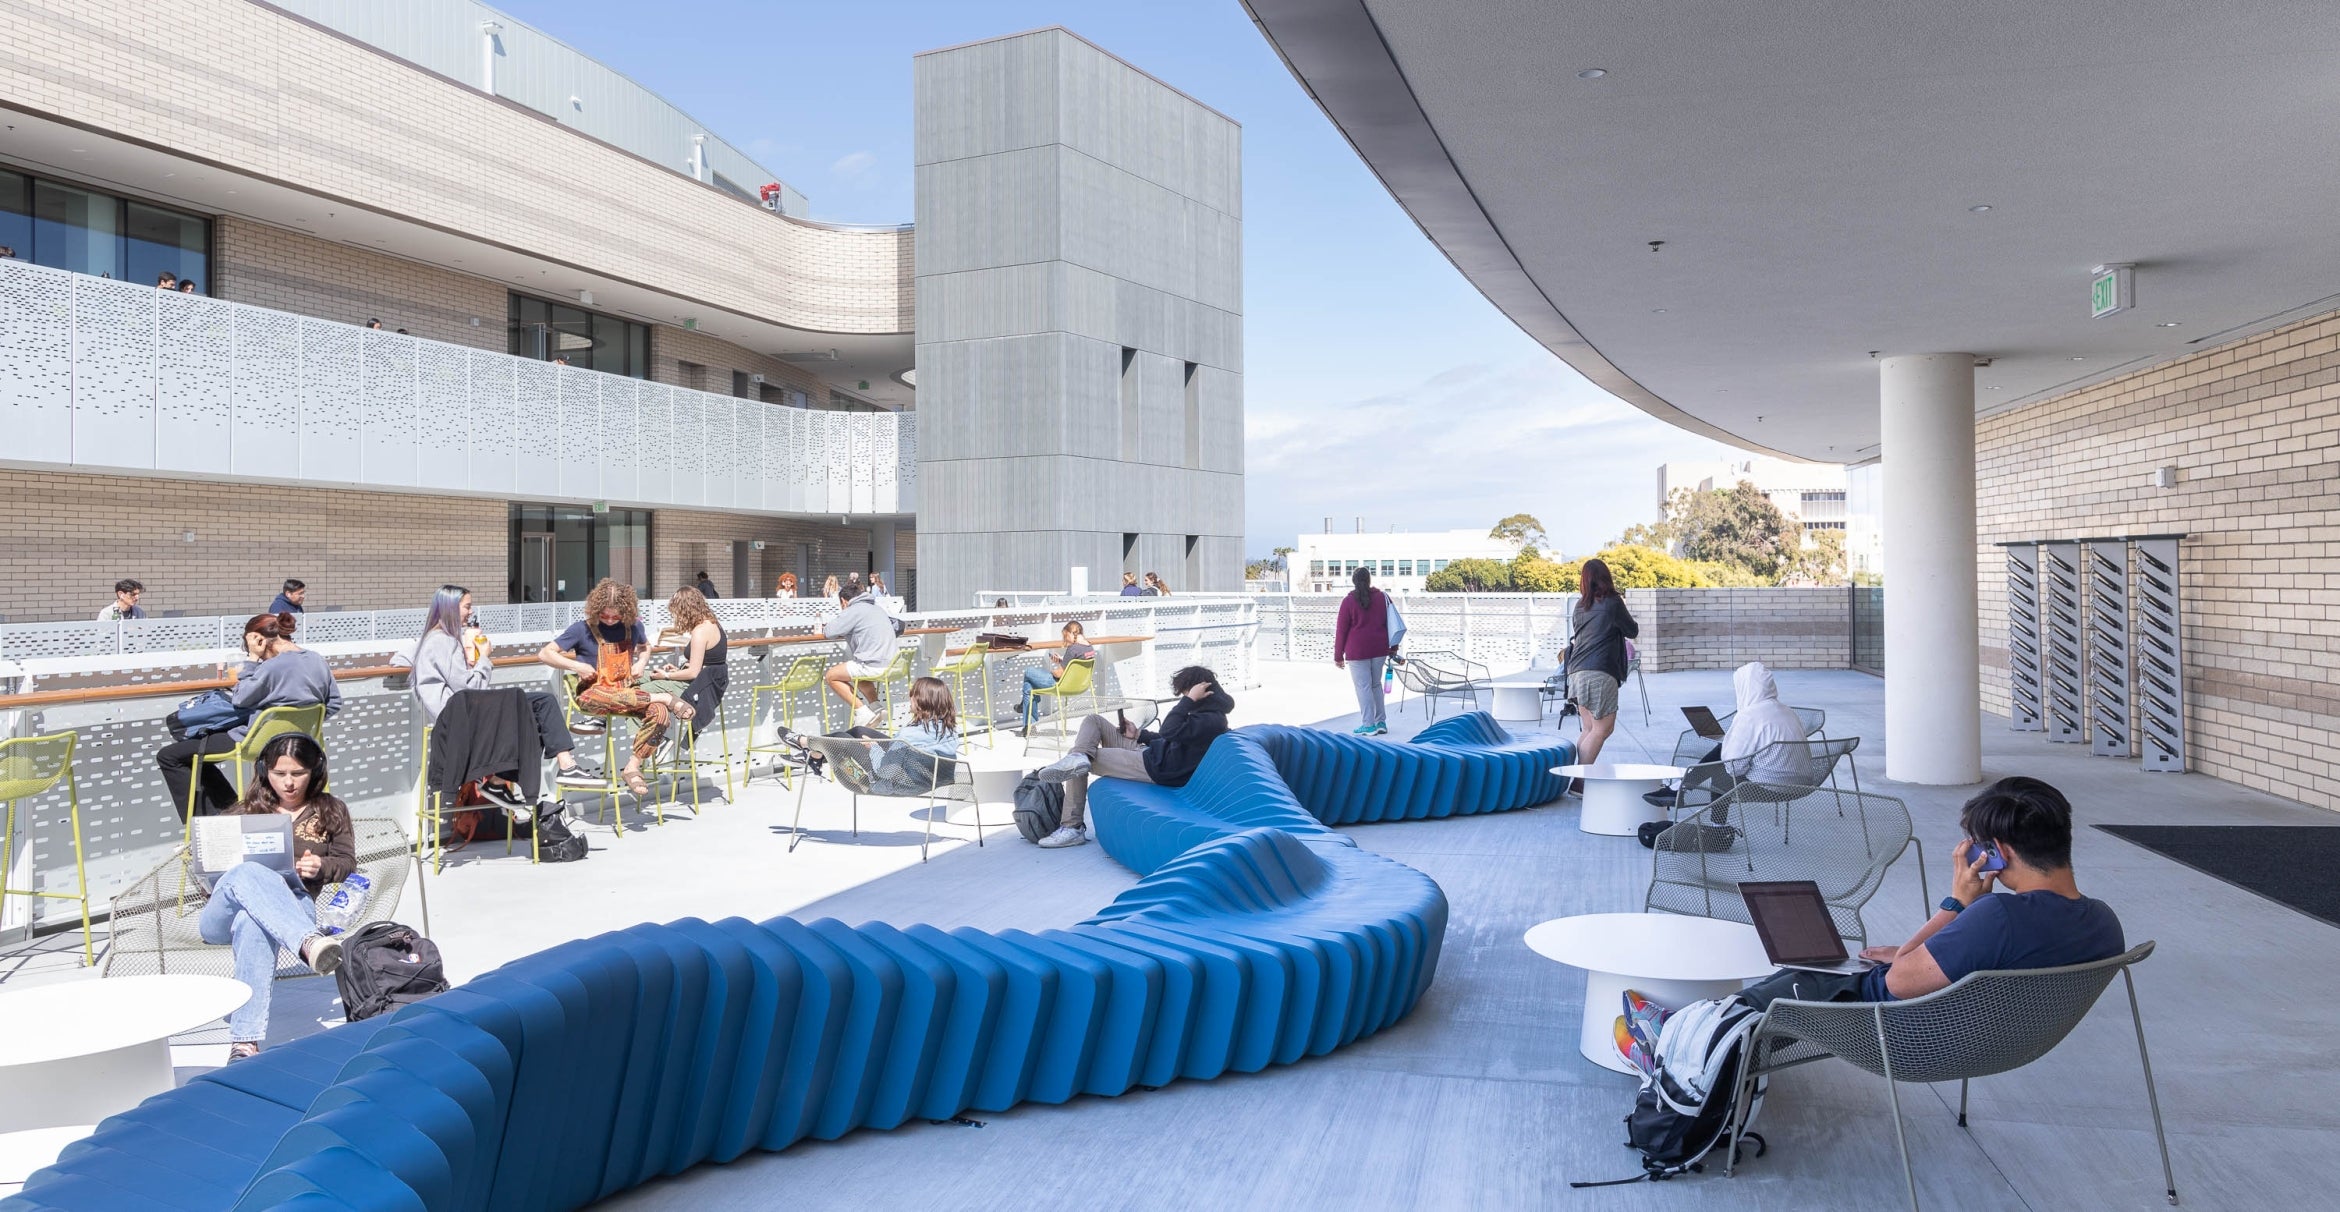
(1479,1099)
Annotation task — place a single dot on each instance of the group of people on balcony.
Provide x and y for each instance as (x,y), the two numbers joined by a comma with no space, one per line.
(1152,587)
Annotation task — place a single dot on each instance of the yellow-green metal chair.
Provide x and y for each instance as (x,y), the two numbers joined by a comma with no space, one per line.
(30,766)
(270,724)
(686,762)
(803,676)
(430,818)
(610,787)
(973,663)
(1080,677)
(896,670)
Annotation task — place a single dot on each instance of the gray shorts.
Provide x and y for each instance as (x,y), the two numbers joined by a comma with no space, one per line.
(1595,693)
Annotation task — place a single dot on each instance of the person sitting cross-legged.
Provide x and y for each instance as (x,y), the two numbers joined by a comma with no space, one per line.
(256,911)
(1166,756)
(607,650)
(1041,677)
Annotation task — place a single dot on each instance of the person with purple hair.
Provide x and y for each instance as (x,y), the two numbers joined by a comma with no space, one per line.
(453,655)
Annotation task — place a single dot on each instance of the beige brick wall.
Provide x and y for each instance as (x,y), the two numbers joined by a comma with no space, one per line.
(1785,628)
(671,346)
(2254,430)
(288,271)
(65,539)
(254,90)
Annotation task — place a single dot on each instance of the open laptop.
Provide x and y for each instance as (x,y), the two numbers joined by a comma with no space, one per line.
(262,837)
(1792,920)
(1703,723)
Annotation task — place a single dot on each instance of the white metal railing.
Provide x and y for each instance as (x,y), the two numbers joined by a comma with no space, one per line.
(121,377)
(129,825)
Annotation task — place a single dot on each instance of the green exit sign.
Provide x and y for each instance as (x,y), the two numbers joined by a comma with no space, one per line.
(2113,290)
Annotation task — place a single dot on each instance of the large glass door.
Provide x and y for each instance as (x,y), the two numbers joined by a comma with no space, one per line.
(559,551)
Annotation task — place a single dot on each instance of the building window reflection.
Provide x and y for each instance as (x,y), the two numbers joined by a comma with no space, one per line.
(91,232)
(559,551)
(549,331)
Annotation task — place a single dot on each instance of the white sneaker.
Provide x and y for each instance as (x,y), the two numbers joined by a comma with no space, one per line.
(1063,769)
(1070,835)
(863,717)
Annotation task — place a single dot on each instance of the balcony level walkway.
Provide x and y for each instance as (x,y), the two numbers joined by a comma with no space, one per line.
(1479,1099)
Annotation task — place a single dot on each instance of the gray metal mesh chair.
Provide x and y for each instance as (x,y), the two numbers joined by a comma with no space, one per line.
(1987,1023)
(889,769)
(1702,783)
(155,924)
(1690,747)
(1437,673)
(1842,841)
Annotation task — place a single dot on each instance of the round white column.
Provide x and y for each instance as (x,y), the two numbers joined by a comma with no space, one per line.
(1933,724)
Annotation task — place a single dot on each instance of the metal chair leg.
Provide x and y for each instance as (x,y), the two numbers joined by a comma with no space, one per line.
(1893,1093)
(796,826)
(1963,1083)
(2152,1097)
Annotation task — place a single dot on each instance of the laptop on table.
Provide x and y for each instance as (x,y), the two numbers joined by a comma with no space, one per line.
(1791,918)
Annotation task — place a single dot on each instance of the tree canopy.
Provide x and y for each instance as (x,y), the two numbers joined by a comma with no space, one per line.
(1737,526)
(1519,530)
(1471,576)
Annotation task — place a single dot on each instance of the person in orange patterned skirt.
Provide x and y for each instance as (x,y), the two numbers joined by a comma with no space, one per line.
(607,650)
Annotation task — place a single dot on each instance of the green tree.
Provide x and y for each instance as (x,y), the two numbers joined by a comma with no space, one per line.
(1470,576)
(1737,526)
(1532,573)
(1636,567)
(1658,536)
(1819,560)
(1726,576)
(1284,557)
(1520,530)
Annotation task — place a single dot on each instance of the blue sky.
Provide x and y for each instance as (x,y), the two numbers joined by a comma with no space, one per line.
(1378,383)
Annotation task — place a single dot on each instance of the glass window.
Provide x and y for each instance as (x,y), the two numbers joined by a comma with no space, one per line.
(557,331)
(76,229)
(559,551)
(16,215)
(1316,568)
(1389,568)
(165,241)
(1441,566)
(1405,568)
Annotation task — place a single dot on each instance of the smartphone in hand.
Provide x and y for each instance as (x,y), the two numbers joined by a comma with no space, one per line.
(1992,860)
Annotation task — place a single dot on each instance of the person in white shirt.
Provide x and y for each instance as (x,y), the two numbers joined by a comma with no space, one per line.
(125,604)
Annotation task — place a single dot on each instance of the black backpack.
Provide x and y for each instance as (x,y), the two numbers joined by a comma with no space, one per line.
(1690,1105)
(1039,807)
(556,842)
(385,966)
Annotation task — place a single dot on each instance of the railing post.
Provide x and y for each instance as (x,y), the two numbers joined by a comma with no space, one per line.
(1467,654)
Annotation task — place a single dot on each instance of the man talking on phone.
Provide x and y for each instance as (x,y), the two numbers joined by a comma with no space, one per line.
(1166,756)
(2013,903)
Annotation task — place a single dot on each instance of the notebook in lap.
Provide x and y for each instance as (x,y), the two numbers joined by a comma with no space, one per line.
(1792,920)
(223,841)
(1703,723)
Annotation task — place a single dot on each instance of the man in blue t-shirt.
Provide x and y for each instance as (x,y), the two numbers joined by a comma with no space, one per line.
(2028,915)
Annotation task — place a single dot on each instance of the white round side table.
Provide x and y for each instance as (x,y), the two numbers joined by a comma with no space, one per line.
(78,1051)
(1670,959)
(1612,795)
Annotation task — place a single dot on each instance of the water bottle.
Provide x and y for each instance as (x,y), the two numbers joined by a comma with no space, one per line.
(343,905)
(1388,679)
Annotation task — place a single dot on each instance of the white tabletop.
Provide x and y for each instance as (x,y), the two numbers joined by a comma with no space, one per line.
(1620,770)
(81,1017)
(1657,946)
(1519,684)
(23,1152)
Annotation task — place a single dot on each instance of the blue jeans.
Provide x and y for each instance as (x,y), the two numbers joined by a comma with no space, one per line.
(255,912)
(1035,678)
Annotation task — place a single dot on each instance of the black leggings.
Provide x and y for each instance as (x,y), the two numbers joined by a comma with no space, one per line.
(177,760)
(552,724)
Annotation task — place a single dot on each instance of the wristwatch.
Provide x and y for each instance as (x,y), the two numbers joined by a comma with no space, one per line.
(1952,904)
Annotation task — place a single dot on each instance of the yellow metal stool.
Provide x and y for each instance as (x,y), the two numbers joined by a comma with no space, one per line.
(802,676)
(270,724)
(896,670)
(1080,677)
(975,662)
(610,786)
(30,766)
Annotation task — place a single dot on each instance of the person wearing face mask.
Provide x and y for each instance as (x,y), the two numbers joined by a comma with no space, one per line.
(257,912)
(275,673)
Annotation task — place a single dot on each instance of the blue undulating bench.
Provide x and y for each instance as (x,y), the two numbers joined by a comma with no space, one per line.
(1256,937)
(1460,765)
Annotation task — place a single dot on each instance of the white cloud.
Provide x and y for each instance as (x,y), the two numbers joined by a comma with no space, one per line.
(855,168)
(1460,450)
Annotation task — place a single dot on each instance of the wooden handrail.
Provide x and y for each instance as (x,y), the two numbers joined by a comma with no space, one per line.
(143,690)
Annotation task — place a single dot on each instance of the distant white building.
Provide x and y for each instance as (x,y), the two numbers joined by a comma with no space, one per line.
(1822,496)
(1400,560)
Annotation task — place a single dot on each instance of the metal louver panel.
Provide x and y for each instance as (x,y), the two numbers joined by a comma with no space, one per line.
(2160,663)
(2023,657)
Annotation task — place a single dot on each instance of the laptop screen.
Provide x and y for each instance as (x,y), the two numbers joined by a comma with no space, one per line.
(1793,922)
(1703,723)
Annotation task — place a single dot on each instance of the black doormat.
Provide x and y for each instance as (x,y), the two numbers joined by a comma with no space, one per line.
(2292,865)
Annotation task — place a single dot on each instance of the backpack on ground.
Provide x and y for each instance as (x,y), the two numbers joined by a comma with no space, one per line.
(1039,807)
(555,841)
(384,966)
(1689,837)
(1688,1107)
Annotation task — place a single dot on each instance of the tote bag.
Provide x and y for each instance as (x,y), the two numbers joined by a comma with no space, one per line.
(1396,622)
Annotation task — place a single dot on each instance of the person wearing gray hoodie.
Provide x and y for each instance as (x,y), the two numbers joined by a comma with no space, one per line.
(869,635)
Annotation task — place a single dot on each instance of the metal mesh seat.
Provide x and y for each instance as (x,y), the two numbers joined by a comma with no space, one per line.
(1843,841)
(1986,1023)
(1703,782)
(31,766)
(1689,747)
(155,918)
(1437,673)
(889,769)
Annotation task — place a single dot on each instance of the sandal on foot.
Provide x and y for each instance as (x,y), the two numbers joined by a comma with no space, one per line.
(636,784)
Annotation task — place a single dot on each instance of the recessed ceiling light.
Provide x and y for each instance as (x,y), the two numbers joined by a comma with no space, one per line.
(2079,359)
(1985,389)
(2167,324)
(1591,73)
(1657,311)
(1979,208)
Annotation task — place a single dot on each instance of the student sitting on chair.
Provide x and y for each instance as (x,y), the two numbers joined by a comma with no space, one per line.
(1167,756)
(1038,677)
(1751,749)
(257,911)
(868,634)
(276,673)
(451,656)
(606,650)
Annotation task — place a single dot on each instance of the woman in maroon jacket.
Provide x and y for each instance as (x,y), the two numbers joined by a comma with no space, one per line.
(1361,644)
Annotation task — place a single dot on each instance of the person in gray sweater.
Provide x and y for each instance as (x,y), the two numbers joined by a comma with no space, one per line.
(452,655)
(869,636)
(275,673)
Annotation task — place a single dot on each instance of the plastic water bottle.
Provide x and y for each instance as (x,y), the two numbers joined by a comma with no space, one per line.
(343,905)
(1388,679)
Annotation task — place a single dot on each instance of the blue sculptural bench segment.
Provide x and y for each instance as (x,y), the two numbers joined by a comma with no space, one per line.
(1460,765)
(1257,936)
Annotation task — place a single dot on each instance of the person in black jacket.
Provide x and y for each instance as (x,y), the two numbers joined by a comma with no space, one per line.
(1166,756)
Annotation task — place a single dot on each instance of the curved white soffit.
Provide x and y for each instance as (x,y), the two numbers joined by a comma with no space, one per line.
(1336,52)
